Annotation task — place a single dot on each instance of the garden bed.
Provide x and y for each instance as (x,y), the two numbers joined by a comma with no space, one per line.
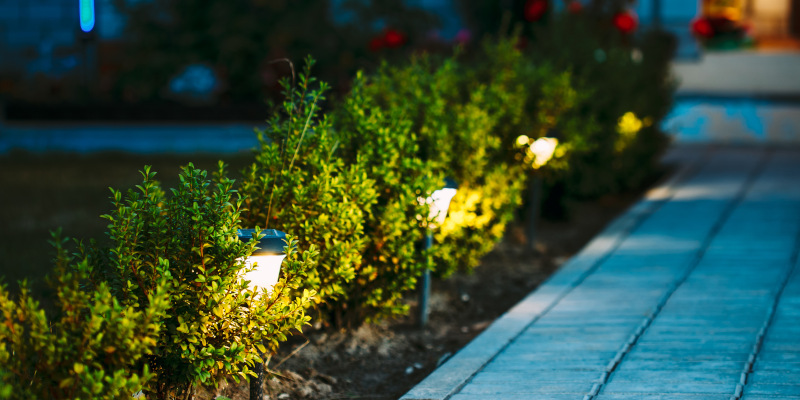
(385,361)
(374,362)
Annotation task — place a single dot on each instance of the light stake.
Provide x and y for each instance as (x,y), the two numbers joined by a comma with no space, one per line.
(439,202)
(541,151)
(267,259)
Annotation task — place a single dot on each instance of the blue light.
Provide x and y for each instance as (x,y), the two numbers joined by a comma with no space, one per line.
(86,14)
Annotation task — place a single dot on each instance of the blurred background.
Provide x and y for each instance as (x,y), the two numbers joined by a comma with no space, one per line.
(130,59)
(165,82)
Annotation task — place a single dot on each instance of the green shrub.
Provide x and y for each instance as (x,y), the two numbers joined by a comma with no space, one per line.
(451,128)
(467,113)
(477,219)
(216,325)
(383,144)
(92,346)
(616,75)
(299,184)
(454,137)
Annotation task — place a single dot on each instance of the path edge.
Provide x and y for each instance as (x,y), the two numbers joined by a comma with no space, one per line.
(451,376)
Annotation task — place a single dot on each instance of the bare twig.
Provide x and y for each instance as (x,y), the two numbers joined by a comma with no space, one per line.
(295,351)
(291,66)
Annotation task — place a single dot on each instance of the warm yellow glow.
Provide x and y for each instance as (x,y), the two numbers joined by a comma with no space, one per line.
(523,140)
(627,126)
(464,212)
(730,9)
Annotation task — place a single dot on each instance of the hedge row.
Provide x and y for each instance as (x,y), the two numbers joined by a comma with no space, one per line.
(165,306)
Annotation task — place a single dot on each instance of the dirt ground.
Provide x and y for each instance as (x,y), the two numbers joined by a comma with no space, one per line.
(384,361)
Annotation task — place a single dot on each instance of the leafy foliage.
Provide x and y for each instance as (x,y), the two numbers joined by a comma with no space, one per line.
(299,184)
(92,346)
(467,112)
(216,326)
(383,144)
(616,74)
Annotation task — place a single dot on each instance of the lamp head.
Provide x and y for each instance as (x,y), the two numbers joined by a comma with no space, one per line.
(270,241)
(542,150)
(267,257)
(439,201)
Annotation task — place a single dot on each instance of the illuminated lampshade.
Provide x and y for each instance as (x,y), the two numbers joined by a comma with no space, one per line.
(439,202)
(542,150)
(267,257)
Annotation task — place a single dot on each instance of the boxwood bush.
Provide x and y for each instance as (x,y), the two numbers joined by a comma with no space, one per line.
(626,90)
(299,184)
(453,131)
(467,112)
(216,326)
(383,144)
(164,307)
(88,345)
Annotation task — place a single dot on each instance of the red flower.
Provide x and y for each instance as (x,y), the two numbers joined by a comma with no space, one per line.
(702,27)
(575,7)
(535,9)
(626,22)
(390,39)
(394,38)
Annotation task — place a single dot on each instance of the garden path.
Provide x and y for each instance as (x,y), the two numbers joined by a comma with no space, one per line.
(693,294)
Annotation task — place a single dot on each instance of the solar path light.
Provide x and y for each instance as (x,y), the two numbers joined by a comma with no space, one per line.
(267,259)
(439,202)
(537,152)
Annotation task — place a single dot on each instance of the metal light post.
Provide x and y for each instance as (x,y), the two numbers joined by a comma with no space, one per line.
(267,259)
(439,202)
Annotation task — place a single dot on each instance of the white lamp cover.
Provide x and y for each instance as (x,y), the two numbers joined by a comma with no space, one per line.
(265,262)
(266,272)
(439,202)
(543,150)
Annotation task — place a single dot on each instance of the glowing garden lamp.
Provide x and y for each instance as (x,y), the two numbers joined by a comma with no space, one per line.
(439,203)
(542,150)
(538,153)
(267,257)
(266,270)
(86,14)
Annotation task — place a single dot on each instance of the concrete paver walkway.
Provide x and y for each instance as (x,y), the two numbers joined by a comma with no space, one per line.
(693,294)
